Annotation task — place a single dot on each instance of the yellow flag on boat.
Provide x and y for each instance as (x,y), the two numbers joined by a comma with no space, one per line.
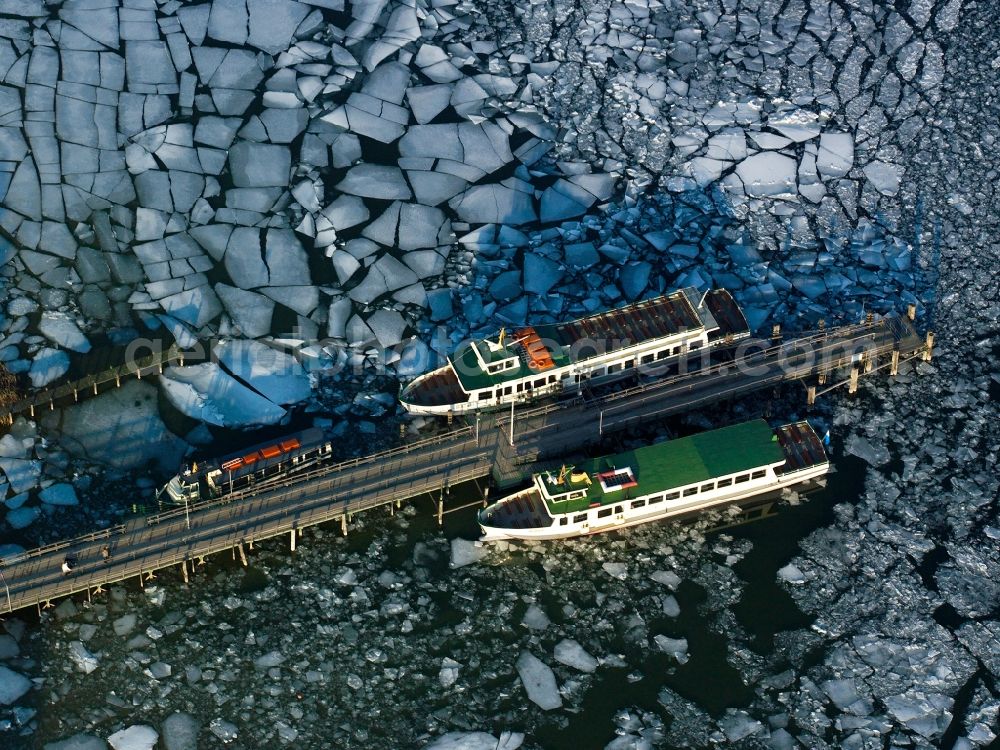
(503,335)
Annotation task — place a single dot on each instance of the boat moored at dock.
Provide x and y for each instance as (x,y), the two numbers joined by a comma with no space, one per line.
(671,478)
(541,360)
(220,476)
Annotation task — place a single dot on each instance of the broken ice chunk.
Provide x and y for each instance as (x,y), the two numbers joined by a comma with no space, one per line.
(12,686)
(47,365)
(61,329)
(767,174)
(259,164)
(375,181)
(464,552)
(494,204)
(676,647)
(884,177)
(207,393)
(572,654)
(539,681)
(836,155)
(274,374)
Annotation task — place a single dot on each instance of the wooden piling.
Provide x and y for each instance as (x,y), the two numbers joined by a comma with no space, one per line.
(869,364)
(894,367)
(911,312)
(853,386)
(440,513)
(776,332)
(822,378)
(76,395)
(243,554)
(293,540)
(811,395)
(118,382)
(343,524)
(486,496)
(928,347)
(184,571)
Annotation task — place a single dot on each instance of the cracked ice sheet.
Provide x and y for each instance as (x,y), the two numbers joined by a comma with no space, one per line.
(272,373)
(205,392)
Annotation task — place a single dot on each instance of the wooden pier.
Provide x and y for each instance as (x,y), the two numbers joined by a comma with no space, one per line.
(501,445)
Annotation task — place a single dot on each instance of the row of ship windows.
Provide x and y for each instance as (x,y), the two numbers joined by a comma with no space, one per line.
(609,370)
(605,512)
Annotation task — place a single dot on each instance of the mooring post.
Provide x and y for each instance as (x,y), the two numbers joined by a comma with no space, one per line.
(343,525)
(293,540)
(811,395)
(184,571)
(853,387)
(928,346)
(894,367)
(243,554)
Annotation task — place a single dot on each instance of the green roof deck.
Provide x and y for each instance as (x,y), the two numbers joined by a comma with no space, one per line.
(676,463)
(472,376)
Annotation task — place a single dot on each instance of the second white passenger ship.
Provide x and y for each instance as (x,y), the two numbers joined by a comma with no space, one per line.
(671,478)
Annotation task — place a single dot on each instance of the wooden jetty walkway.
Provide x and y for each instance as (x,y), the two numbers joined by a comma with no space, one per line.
(113,374)
(499,445)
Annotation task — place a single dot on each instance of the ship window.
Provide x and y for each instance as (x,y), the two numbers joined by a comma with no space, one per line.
(638,503)
(725,482)
(647,359)
(581,518)
(508,390)
(663,354)
(618,509)
(656,499)
(484,394)
(708,487)
(742,478)
(563,521)
(539,383)
(695,345)
(614,368)
(672,495)
(604,512)
(690,491)
(552,378)
(758,474)
(519,387)
(629,363)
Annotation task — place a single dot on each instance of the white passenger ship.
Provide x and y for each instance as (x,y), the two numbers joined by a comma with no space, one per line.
(659,481)
(541,360)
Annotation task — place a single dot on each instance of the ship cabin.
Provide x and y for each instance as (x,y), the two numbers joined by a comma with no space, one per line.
(668,478)
(539,360)
(220,476)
